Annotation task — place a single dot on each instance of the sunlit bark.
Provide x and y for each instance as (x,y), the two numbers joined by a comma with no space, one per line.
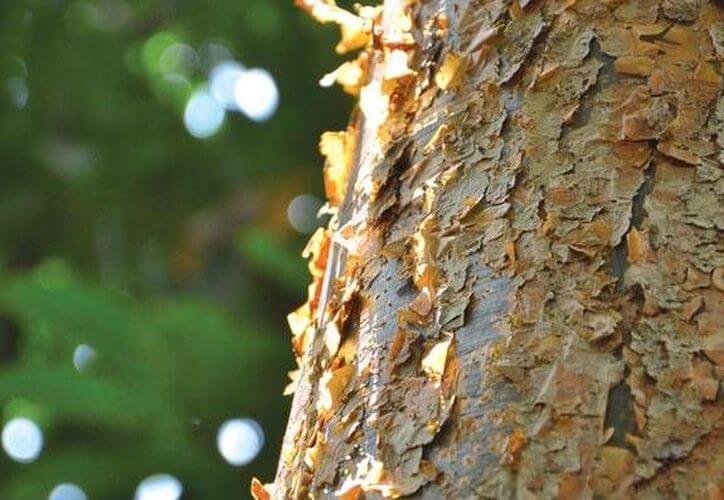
(521,293)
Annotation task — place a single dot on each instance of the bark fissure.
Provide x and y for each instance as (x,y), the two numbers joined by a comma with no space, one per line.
(619,257)
(620,415)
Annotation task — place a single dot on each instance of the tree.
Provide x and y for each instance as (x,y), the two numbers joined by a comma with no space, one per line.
(520,292)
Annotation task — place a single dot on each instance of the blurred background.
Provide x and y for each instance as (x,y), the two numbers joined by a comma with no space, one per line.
(159,177)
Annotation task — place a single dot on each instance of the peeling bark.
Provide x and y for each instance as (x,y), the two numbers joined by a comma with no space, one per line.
(520,293)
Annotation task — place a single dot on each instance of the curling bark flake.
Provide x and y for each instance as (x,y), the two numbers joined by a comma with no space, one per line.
(520,295)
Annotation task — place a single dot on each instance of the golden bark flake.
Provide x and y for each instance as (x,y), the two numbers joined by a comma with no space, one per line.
(387,101)
(437,138)
(338,149)
(398,82)
(707,82)
(422,305)
(374,104)
(350,75)
(316,251)
(451,71)
(332,338)
(634,65)
(644,11)
(400,25)
(356,30)
(510,253)
(331,387)
(261,491)
(637,246)
(312,453)
(513,445)
(300,322)
(291,387)
(425,244)
(433,363)
(396,66)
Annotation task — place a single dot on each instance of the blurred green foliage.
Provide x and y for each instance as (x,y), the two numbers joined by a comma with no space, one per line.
(171,256)
(165,377)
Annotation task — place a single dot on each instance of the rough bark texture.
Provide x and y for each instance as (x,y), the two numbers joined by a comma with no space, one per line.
(520,295)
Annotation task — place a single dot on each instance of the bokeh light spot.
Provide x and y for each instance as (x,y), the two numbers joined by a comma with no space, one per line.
(159,487)
(67,491)
(83,356)
(178,58)
(203,116)
(222,82)
(256,94)
(155,47)
(22,440)
(302,213)
(211,54)
(18,92)
(240,440)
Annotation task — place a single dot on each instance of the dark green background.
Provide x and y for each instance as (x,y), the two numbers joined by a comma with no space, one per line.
(170,255)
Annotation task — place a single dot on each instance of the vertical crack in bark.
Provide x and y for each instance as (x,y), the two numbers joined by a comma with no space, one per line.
(619,258)
(620,415)
(638,212)
(604,78)
(620,405)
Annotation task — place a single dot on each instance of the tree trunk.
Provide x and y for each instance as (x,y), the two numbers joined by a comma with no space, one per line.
(520,294)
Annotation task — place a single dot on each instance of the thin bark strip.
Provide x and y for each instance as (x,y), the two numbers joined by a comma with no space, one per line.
(520,295)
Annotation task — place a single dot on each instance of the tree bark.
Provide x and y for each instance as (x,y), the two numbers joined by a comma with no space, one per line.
(520,295)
